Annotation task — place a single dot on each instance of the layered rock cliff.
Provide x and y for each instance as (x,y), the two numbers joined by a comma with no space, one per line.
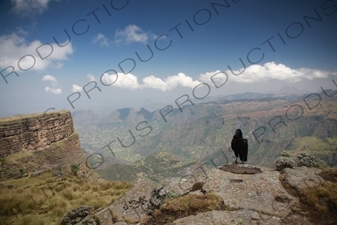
(29,142)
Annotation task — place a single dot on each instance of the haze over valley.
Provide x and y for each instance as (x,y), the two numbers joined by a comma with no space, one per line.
(200,132)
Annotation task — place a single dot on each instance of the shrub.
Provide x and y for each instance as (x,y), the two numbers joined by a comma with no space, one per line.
(304,159)
(301,159)
(75,168)
(285,162)
(285,153)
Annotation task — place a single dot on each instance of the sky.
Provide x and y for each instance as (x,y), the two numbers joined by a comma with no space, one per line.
(105,55)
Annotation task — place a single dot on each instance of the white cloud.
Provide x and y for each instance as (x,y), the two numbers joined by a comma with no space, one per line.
(133,33)
(124,81)
(91,77)
(218,77)
(102,40)
(53,90)
(30,7)
(55,86)
(15,46)
(49,78)
(268,71)
(254,73)
(131,81)
(76,88)
(170,82)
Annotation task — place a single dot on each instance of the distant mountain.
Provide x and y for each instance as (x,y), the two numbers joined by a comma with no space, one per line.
(145,113)
(156,167)
(200,132)
(247,95)
(287,89)
(84,115)
(310,95)
(127,115)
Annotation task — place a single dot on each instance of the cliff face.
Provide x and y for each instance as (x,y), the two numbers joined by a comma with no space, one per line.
(34,132)
(31,141)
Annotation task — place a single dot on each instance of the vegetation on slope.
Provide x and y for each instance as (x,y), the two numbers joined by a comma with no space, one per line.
(45,199)
(319,204)
(155,167)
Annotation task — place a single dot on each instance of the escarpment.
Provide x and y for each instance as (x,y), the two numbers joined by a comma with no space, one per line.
(30,142)
(34,131)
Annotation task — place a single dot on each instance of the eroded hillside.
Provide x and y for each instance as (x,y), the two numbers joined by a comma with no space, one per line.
(202,132)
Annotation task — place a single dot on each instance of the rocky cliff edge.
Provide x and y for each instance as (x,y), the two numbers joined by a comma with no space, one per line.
(30,142)
(249,195)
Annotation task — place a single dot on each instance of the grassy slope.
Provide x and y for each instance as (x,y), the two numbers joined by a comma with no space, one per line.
(45,199)
(156,167)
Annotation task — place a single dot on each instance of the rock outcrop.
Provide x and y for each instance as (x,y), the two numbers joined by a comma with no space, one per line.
(80,216)
(34,131)
(302,178)
(37,141)
(251,195)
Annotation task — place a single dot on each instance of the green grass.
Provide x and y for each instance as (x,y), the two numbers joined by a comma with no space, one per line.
(313,145)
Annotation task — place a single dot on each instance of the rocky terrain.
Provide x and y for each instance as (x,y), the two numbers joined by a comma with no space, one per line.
(34,132)
(182,174)
(32,142)
(248,195)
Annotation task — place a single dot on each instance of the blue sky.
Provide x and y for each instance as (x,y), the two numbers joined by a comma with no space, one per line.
(191,41)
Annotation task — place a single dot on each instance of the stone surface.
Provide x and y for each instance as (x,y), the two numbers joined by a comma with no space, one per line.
(239,217)
(135,205)
(249,198)
(80,216)
(39,142)
(34,131)
(296,220)
(262,192)
(129,208)
(302,177)
(105,217)
(240,169)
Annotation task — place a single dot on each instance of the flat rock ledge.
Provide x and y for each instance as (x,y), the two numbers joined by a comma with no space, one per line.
(251,195)
(240,169)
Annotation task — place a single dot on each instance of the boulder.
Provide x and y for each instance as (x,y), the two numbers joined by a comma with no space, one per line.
(134,206)
(239,217)
(80,216)
(260,192)
(302,177)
